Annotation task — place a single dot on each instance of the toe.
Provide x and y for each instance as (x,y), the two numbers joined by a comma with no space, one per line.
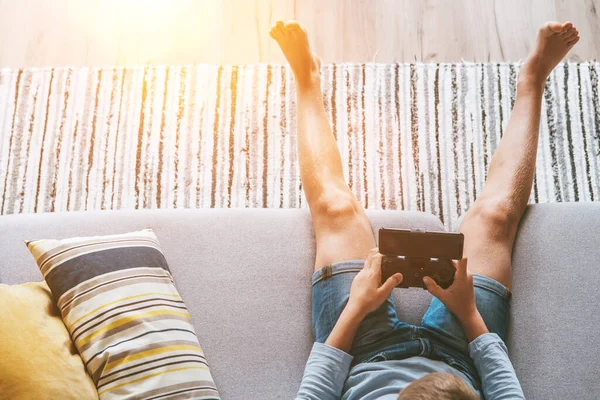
(567,26)
(274,33)
(279,28)
(553,26)
(292,25)
(573,40)
(570,34)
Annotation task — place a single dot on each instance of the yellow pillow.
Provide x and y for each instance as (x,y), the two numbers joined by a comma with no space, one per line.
(37,357)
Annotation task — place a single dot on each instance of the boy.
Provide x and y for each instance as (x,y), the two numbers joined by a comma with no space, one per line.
(362,350)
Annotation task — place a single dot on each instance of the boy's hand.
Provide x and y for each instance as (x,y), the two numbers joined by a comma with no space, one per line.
(459,298)
(367,294)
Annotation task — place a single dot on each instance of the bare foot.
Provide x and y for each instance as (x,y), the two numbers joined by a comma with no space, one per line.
(554,40)
(292,39)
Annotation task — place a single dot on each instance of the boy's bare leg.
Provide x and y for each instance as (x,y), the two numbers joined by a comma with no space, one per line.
(342,229)
(491,223)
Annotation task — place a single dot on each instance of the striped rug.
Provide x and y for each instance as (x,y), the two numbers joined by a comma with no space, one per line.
(411,136)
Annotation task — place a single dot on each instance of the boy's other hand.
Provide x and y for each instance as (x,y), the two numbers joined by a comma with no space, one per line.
(367,293)
(459,298)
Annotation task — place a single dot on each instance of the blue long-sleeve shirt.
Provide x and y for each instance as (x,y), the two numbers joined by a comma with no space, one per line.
(328,374)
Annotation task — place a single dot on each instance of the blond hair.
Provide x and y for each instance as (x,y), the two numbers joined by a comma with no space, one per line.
(438,386)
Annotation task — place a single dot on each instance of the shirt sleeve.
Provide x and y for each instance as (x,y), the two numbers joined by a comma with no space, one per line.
(325,373)
(498,378)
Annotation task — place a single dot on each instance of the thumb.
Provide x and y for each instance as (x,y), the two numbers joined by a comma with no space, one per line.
(391,283)
(432,287)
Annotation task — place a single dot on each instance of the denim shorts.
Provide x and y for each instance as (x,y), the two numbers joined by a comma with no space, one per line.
(381,336)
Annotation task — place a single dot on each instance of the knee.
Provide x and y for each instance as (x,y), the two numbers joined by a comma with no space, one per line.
(335,207)
(494,217)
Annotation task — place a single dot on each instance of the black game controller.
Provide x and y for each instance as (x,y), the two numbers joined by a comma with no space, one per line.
(417,253)
(414,269)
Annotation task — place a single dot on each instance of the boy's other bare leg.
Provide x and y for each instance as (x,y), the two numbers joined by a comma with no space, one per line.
(491,223)
(342,229)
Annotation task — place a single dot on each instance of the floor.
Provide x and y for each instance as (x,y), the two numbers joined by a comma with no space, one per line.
(37,33)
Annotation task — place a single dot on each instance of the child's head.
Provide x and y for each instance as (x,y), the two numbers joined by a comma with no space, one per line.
(438,386)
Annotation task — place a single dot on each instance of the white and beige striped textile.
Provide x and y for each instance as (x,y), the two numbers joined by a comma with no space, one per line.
(411,136)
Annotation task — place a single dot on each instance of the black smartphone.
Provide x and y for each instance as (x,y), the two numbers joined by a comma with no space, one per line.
(421,244)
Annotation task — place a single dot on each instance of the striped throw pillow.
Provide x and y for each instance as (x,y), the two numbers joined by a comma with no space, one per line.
(117,298)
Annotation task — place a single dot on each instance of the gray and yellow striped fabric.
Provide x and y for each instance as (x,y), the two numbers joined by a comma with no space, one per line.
(411,136)
(125,316)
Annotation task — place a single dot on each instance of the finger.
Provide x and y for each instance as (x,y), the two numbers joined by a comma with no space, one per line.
(390,284)
(375,263)
(461,266)
(370,256)
(433,287)
(373,251)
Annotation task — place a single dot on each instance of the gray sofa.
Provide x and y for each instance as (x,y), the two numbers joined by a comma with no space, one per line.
(245,277)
